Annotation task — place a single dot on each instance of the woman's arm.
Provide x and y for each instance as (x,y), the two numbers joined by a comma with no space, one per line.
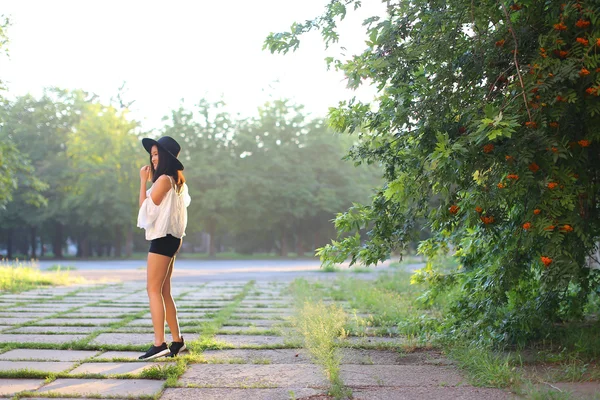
(161,187)
(144,174)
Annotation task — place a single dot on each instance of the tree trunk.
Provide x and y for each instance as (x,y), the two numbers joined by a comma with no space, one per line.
(299,244)
(118,240)
(79,253)
(129,242)
(57,240)
(283,249)
(212,228)
(85,246)
(9,244)
(42,246)
(33,242)
(316,239)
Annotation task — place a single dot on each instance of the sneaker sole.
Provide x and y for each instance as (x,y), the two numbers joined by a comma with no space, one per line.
(160,354)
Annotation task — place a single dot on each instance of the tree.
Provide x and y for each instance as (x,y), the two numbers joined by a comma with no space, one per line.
(493,107)
(12,163)
(205,134)
(105,157)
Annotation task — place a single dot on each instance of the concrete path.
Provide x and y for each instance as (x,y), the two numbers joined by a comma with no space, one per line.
(84,341)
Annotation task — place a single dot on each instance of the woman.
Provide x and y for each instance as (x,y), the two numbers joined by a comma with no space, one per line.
(163,214)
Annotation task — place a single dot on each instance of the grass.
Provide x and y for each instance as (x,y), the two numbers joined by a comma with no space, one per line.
(20,276)
(568,353)
(485,367)
(208,329)
(321,325)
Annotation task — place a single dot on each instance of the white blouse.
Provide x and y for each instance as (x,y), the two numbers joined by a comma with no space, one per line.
(169,217)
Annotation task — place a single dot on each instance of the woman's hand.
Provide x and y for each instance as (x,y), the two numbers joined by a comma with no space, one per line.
(145,173)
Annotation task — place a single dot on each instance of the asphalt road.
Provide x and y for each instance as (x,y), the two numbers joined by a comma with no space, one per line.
(204,270)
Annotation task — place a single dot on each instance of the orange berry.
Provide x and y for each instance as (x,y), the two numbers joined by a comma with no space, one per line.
(531,124)
(566,228)
(546,260)
(527,226)
(533,167)
(479,209)
(537,211)
(560,27)
(453,209)
(584,143)
(488,148)
(552,185)
(582,24)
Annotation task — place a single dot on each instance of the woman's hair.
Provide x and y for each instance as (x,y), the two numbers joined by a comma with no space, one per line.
(166,166)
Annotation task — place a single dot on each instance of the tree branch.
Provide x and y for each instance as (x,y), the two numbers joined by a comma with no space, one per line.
(512,31)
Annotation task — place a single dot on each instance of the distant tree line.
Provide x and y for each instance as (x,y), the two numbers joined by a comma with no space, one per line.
(69,170)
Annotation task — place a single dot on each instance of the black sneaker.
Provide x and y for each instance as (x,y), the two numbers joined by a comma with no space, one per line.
(155,352)
(177,347)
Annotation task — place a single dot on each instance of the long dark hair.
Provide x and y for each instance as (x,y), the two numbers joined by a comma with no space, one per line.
(166,166)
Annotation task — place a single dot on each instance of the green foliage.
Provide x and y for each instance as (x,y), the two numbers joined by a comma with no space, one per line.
(69,168)
(492,109)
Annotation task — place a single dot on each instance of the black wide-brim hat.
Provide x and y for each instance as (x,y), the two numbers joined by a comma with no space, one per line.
(166,143)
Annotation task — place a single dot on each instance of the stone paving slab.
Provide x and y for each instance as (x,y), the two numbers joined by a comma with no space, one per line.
(399,375)
(431,393)
(373,341)
(250,340)
(301,356)
(109,355)
(47,307)
(15,321)
(9,387)
(243,375)
(95,314)
(116,310)
(131,338)
(34,338)
(103,387)
(78,321)
(44,366)
(578,390)
(111,368)
(53,329)
(239,394)
(255,356)
(38,354)
(245,329)
(255,322)
(24,315)
(262,314)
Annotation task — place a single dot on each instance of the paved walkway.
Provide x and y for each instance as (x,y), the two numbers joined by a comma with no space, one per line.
(84,341)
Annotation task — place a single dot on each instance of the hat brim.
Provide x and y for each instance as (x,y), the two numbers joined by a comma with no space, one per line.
(148,143)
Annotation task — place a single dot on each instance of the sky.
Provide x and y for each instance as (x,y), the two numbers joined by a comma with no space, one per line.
(168,52)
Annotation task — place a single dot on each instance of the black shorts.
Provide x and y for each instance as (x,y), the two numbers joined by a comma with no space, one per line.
(166,246)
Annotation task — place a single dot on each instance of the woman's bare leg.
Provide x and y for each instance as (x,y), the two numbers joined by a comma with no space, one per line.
(170,307)
(158,268)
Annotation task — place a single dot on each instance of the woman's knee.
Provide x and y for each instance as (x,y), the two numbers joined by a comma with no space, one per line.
(154,290)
